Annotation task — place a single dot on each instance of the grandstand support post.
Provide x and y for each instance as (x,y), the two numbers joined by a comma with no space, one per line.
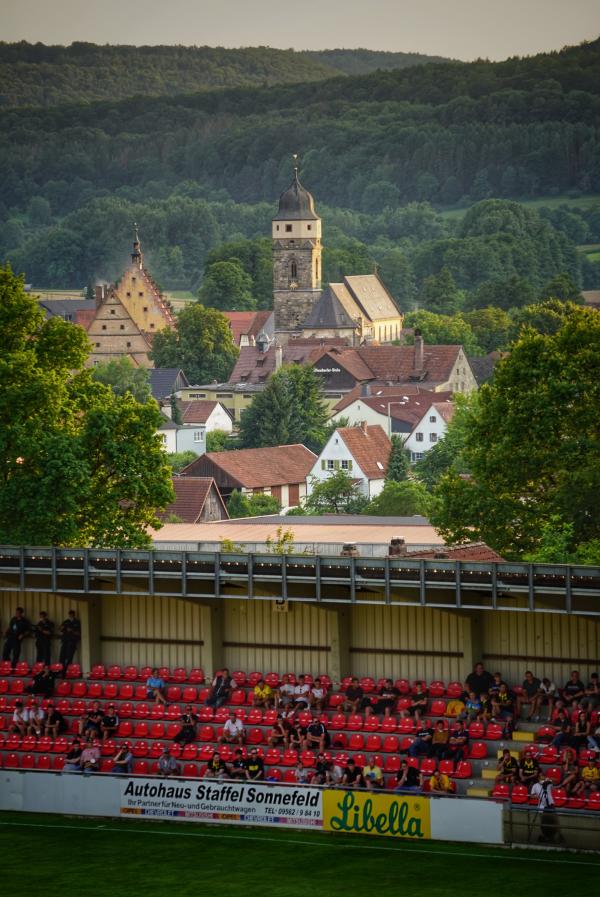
(90,615)
(472,639)
(211,623)
(340,628)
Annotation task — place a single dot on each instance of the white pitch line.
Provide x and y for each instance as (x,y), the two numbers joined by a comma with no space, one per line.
(102,829)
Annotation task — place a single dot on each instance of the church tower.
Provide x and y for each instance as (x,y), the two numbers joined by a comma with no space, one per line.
(296,257)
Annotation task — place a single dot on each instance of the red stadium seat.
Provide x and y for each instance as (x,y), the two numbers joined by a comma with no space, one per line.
(115,672)
(254,717)
(94,690)
(254,679)
(144,673)
(98,672)
(63,688)
(58,763)
(189,751)
(130,674)
(238,696)
(272,680)
(494,732)
(206,733)
(454,689)
(126,691)
(205,752)
(157,711)
(501,792)
(111,690)
(189,694)
(254,736)
(79,689)
(73,671)
(3,686)
(290,758)
(126,710)
(141,730)
(356,742)
(11,761)
(157,730)
(156,749)
(27,761)
(140,749)
(463,770)
(593,801)
(406,725)
(390,744)
(22,668)
(519,794)
(559,796)
(173,693)
(428,766)
(196,677)
(44,761)
(164,673)
(437,688)
(140,768)
(179,675)
(355,722)
(272,757)
(576,803)
(339,740)
(190,770)
(373,743)
(476,730)
(338,721)
(388,724)
(239,677)
(16,687)
(140,693)
(554,773)
(446,767)
(60,745)
(107,765)
(141,711)
(392,763)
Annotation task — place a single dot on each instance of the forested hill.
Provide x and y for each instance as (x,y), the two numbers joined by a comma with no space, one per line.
(40,75)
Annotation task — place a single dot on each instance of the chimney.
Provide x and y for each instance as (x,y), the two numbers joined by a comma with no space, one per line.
(363,426)
(167,409)
(365,389)
(98,293)
(397,548)
(419,351)
(278,356)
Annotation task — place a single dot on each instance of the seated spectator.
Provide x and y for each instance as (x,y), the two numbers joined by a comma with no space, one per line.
(110,723)
(317,736)
(581,731)
(479,680)
(90,756)
(318,695)
(20,719)
(530,696)
(440,783)
(423,740)
(73,756)
(92,721)
(301,694)
(473,708)
(573,690)
(220,689)
(560,714)
(529,769)
(352,777)
(155,688)
(43,683)
(439,742)
(494,688)
(296,735)
(354,697)
(55,723)
(262,695)
(503,703)
(591,699)
(167,764)
(548,695)
(279,734)
(570,772)
(285,693)
(372,775)
(418,707)
(458,743)
(485,714)
(216,767)
(594,739)
(387,696)
(408,778)
(189,722)
(237,767)
(590,776)
(233,730)
(35,724)
(322,771)
(302,774)
(563,737)
(507,768)
(123,760)
(255,768)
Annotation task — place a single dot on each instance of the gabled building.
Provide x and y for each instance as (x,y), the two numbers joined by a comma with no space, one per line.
(429,429)
(247,326)
(395,410)
(360,309)
(363,452)
(166,382)
(197,500)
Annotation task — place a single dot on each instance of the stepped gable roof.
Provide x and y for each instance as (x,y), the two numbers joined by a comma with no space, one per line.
(370,448)
(190,497)
(473,551)
(260,467)
(296,203)
(254,366)
(196,411)
(163,381)
(329,313)
(372,296)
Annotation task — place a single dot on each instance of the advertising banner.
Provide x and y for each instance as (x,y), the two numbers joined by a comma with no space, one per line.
(364,813)
(231,802)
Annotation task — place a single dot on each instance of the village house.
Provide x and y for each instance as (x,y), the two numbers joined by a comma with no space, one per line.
(362,452)
(197,500)
(396,410)
(428,431)
(197,419)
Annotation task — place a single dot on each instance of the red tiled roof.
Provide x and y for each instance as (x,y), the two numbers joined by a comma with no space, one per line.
(370,448)
(190,497)
(248,323)
(254,366)
(396,364)
(445,409)
(474,551)
(197,411)
(255,468)
(85,316)
(401,403)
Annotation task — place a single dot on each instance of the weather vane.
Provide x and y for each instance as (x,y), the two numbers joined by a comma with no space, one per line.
(295,158)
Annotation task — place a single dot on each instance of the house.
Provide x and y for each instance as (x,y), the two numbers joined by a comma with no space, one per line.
(396,410)
(165,382)
(428,431)
(280,471)
(197,500)
(207,414)
(246,326)
(77,310)
(168,433)
(363,452)
(197,419)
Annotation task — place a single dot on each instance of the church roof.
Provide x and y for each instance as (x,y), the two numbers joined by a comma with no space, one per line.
(296,203)
(329,313)
(372,296)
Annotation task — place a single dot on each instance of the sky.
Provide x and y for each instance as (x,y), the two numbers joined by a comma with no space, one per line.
(462,29)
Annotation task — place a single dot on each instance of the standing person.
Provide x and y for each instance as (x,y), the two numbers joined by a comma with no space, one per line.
(530,696)
(70,636)
(220,689)
(43,631)
(18,628)
(542,791)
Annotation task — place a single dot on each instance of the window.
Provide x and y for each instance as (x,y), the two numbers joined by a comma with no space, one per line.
(140,294)
(145,308)
(198,436)
(151,326)
(129,345)
(163,436)
(317,268)
(309,227)
(104,326)
(68,317)
(419,437)
(128,294)
(433,437)
(432,419)
(121,326)
(346,465)
(224,395)
(97,345)
(294,270)
(197,395)
(112,311)
(276,227)
(330,464)
(288,228)
(416,456)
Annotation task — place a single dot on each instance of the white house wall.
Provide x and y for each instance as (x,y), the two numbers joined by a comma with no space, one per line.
(425,429)
(219,419)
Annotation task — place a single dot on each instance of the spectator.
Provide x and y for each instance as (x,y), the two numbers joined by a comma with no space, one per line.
(571,775)
(458,743)
(110,723)
(167,764)
(542,791)
(563,738)
(20,719)
(318,695)
(323,771)
(90,756)
(408,778)
(594,740)
(503,704)
(479,680)
(43,683)
(92,721)
(263,695)
(560,714)
(354,697)
(296,735)
(123,760)
(530,696)
(590,776)
(36,719)
(581,730)
(473,708)
(220,689)
(440,783)
(507,768)
(56,724)
(548,695)
(418,707)
(573,690)
(73,756)
(423,740)
(388,695)
(486,707)
(302,774)
(43,631)
(285,692)
(18,628)
(316,736)
(237,767)
(529,769)
(70,635)
(255,768)
(155,688)
(352,776)
(494,688)
(216,768)
(301,694)
(372,775)
(233,730)
(439,741)
(591,699)
(189,722)
(279,734)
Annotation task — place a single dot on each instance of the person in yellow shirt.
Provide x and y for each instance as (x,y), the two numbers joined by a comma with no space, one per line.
(372,774)
(263,695)
(439,783)
(589,779)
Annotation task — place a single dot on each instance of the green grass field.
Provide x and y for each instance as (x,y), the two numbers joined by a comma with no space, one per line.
(71,856)
(550,202)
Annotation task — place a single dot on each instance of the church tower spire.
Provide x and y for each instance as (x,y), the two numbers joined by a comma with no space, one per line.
(136,255)
(296,255)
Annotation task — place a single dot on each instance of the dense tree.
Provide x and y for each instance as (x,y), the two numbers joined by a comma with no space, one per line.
(508,292)
(439,294)
(219,441)
(443,330)
(492,328)
(227,286)
(240,505)
(122,377)
(531,444)
(398,464)
(256,258)
(403,499)
(201,345)
(562,287)
(447,454)
(545,317)
(81,465)
(337,494)
(178,460)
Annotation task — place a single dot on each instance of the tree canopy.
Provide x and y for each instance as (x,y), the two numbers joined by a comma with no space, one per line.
(123,377)
(201,345)
(337,494)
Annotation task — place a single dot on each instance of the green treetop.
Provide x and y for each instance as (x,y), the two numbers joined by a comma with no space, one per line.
(201,345)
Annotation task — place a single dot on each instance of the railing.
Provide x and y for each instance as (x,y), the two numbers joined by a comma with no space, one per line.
(446,584)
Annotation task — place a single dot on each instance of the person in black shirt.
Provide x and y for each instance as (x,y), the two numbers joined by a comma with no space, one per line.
(322,771)
(255,768)
(573,690)
(18,628)
(479,680)
(187,733)
(529,769)
(317,736)
(220,690)
(423,741)
(44,630)
(237,767)
(354,696)
(507,768)
(43,683)
(352,777)
(216,768)
(70,634)
(55,723)
(92,721)
(73,756)
(409,778)
(110,723)
(388,695)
